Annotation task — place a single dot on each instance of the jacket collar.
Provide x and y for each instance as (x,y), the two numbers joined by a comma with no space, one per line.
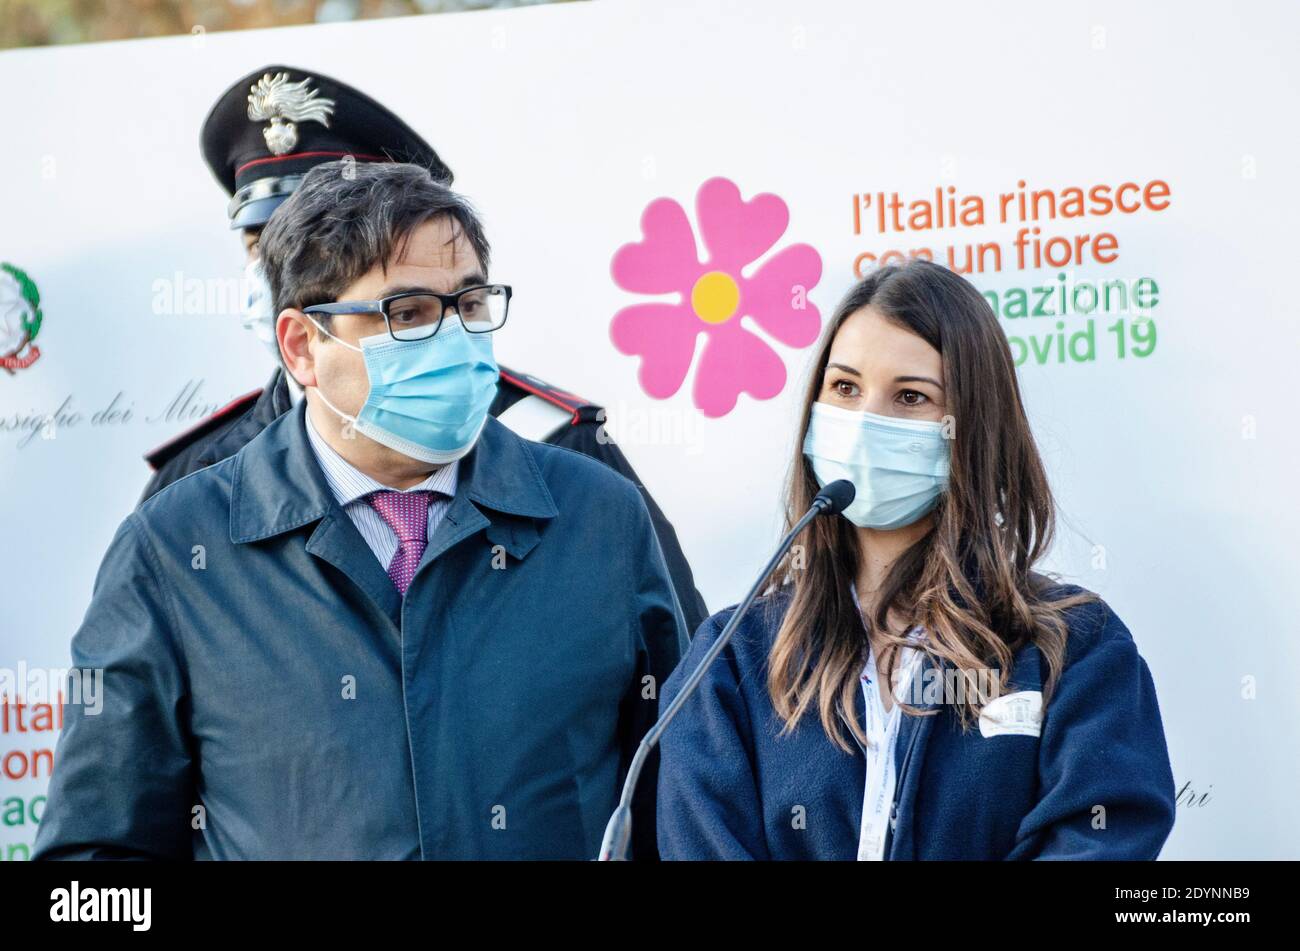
(277,485)
(275,400)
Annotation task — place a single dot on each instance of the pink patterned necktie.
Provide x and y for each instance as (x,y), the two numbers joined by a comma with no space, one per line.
(407,514)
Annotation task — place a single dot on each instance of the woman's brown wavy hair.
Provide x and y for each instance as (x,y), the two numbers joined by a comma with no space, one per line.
(969,580)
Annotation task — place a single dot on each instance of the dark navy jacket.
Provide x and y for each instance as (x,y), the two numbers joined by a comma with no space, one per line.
(731,788)
(268,694)
(226,432)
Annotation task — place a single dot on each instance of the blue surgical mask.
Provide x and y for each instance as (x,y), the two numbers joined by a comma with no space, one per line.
(428,398)
(899,467)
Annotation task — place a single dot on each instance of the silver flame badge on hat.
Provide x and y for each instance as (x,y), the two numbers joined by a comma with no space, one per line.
(281,103)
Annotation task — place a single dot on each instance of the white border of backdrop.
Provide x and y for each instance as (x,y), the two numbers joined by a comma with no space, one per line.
(1175,473)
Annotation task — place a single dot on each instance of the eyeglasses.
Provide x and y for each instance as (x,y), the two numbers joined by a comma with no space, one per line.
(417,315)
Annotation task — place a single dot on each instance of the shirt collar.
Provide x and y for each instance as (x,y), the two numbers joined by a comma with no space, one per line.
(349,484)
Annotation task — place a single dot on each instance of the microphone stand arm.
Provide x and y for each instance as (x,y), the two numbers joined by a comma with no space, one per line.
(618,833)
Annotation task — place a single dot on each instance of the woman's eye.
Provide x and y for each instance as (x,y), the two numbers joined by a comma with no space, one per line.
(912,398)
(846,389)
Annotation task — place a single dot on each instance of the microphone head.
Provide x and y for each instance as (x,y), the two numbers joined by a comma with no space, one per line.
(836,497)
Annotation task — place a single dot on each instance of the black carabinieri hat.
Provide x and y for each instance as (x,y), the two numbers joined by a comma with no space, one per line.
(272,126)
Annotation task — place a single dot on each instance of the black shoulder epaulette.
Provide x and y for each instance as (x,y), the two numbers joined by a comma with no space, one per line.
(581,410)
(169,449)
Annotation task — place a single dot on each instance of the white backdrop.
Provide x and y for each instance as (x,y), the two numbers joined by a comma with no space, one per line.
(1175,471)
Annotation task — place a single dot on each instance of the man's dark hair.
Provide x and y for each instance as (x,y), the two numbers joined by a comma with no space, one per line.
(349,217)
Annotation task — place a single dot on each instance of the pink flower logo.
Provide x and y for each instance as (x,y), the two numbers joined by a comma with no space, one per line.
(714,296)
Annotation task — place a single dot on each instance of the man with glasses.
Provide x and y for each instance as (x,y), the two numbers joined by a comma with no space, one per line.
(388,627)
(263,134)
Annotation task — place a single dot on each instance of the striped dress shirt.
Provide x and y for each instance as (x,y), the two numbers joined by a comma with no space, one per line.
(351,486)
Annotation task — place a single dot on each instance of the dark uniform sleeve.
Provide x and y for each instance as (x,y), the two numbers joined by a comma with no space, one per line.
(192,458)
(219,436)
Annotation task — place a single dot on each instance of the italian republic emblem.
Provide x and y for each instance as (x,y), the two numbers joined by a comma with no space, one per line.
(20,319)
(275,100)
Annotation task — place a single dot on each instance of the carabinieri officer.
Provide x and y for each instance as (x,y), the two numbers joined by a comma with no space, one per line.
(263,134)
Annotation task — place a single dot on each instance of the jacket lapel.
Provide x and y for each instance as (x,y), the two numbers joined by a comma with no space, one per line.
(337,541)
(278,487)
(499,490)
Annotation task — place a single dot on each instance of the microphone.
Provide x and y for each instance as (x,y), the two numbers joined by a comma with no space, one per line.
(832,500)
(836,497)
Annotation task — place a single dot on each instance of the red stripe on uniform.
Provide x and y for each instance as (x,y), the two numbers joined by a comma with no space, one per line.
(550,397)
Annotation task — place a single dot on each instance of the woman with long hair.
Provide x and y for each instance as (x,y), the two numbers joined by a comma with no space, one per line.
(909,686)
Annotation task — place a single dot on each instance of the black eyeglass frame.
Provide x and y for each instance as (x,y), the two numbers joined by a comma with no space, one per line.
(383,305)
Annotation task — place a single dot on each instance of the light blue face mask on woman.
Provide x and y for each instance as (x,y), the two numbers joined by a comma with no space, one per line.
(428,398)
(898,466)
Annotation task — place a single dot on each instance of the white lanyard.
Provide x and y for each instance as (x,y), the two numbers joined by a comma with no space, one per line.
(882,735)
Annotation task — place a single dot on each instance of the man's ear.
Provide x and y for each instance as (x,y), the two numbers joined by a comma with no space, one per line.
(295,331)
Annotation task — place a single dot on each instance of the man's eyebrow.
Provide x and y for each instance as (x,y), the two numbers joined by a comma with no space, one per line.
(469,280)
(405,289)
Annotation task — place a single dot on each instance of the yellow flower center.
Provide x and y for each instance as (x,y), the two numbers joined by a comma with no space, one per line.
(715,297)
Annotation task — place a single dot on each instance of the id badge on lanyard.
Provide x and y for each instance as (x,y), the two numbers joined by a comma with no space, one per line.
(882,735)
